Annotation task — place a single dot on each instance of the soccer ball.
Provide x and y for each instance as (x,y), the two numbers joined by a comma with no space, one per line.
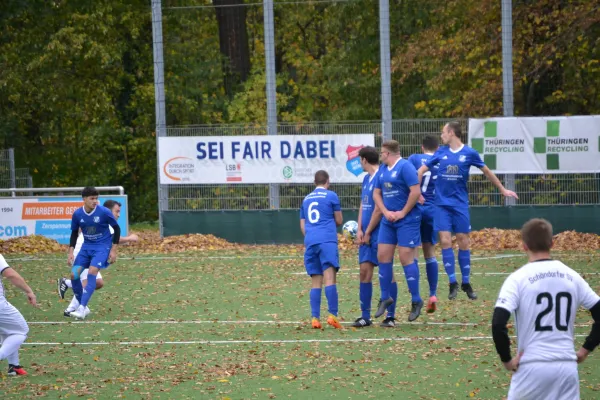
(350,229)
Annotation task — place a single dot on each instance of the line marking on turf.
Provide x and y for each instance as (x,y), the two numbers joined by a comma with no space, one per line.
(274,341)
(248,322)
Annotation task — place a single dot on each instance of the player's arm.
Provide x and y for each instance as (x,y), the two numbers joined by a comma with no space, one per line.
(413,197)
(360,232)
(378,200)
(337,210)
(507,302)
(496,182)
(375,220)
(339,219)
(129,238)
(593,339)
(303,226)
(73,239)
(17,280)
(421,171)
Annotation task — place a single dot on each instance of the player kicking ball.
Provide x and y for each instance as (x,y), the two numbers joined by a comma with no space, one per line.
(544,295)
(64,284)
(99,248)
(13,328)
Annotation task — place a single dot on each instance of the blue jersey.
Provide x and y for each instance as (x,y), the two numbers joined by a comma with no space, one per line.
(368,206)
(94,226)
(429,178)
(453,175)
(395,182)
(318,212)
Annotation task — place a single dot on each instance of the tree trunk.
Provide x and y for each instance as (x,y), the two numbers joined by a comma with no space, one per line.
(233,42)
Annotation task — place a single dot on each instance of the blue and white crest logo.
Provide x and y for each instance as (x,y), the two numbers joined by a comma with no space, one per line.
(353,163)
(96,219)
(394,174)
(462,158)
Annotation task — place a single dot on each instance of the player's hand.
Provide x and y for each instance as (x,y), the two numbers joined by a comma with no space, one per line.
(112,257)
(582,355)
(421,199)
(509,193)
(389,215)
(359,237)
(134,238)
(70,260)
(367,238)
(31,298)
(398,215)
(513,365)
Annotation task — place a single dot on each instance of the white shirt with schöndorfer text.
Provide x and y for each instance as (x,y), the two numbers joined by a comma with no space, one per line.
(544,296)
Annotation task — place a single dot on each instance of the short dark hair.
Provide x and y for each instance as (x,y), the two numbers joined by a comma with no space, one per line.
(430,143)
(456,128)
(111,203)
(89,191)
(321,177)
(392,146)
(370,154)
(537,235)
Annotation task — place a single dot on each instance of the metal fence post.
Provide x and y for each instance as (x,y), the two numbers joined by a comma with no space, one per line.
(386,86)
(507,81)
(11,163)
(159,98)
(271,87)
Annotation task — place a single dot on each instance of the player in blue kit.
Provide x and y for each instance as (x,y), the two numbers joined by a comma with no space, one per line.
(396,194)
(369,217)
(428,233)
(320,215)
(98,249)
(452,202)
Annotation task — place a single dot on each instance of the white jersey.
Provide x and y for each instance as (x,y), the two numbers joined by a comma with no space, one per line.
(80,241)
(545,296)
(3,266)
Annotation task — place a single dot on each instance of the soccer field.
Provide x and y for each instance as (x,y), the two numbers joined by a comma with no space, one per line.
(236,325)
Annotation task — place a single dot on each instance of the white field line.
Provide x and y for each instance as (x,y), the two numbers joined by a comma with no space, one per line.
(247,322)
(274,341)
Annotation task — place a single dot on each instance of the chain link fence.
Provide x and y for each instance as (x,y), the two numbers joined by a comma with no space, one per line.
(11,177)
(533,189)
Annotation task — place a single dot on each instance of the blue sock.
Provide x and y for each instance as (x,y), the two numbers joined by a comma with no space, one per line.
(315,302)
(411,272)
(386,272)
(448,259)
(77,289)
(365,295)
(464,260)
(89,290)
(431,266)
(391,310)
(332,299)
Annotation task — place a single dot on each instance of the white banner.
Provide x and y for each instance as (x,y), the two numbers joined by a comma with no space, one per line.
(536,145)
(260,159)
(48,216)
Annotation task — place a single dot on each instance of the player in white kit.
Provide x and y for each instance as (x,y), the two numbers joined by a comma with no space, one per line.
(13,328)
(544,295)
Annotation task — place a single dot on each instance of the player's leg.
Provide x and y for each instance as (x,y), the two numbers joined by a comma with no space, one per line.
(82,262)
(390,319)
(99,260)
(314,270)
(443,225)
(428,241)
(386,244)
(365,292)
(13,332)
(462,227)
(330,262)
(409,238)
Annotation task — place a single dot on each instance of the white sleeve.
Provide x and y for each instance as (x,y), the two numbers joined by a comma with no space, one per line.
(112,231)
(78,244)
(3,264)
(587,297)
(509,295)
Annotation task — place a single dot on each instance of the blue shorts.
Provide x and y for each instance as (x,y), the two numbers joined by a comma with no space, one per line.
(368,252)
(404,233)
(452,219)
(428,233)
(319,257)
(93,257)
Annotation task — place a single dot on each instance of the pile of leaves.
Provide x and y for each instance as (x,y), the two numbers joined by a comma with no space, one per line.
(33,244)
(151,243)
